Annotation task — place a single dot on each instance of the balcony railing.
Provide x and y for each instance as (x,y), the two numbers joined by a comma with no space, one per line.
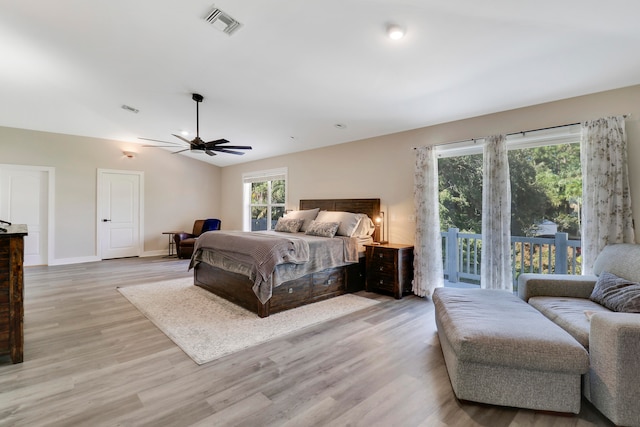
(462,254)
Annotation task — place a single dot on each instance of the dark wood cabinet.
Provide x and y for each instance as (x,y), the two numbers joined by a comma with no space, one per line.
(389,268)
(11,291)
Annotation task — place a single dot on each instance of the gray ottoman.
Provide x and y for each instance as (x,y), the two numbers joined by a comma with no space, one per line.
(500,350)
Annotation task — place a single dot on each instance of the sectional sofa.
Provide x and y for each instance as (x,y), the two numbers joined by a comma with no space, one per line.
(565,336)
(611,336)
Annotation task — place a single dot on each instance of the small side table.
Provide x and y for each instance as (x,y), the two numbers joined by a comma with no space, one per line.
(172,243)
(389,268)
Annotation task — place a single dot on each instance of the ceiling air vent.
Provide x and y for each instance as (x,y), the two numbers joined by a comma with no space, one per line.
(222,21)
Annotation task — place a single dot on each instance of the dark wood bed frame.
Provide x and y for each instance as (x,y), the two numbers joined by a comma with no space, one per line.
(311,288)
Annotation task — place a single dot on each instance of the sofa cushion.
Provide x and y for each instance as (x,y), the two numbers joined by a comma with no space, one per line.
(622,259)
(616,293)
(495,327)
(569,314)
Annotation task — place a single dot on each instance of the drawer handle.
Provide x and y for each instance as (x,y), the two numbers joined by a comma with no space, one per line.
(380,255)
(381,282)
(381,268)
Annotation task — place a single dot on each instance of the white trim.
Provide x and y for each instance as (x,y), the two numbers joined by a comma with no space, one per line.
(51,201)
(260,176)
(265,175)
(99,196)
(67,261)
(157,252)
(531,139)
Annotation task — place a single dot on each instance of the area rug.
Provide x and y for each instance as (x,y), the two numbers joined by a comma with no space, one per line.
(207,327)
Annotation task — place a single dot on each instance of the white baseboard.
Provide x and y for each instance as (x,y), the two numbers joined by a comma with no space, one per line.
(162,252)
(66,261)
(80,260)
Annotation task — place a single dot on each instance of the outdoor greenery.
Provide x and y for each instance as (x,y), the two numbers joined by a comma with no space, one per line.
(546,184)
(267,204)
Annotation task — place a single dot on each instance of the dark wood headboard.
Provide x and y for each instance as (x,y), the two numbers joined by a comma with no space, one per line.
(371,207)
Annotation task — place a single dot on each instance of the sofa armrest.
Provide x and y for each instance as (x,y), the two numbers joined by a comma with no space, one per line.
(614,346)
(181,236)
(555,285)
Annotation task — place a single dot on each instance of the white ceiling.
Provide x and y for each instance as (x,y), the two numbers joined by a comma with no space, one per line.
(297,67)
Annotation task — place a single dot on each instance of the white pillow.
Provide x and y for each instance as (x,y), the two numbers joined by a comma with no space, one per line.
(365,228)
(306,215)
(348,221)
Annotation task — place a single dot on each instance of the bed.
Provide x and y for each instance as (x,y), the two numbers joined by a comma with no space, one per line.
(235,285)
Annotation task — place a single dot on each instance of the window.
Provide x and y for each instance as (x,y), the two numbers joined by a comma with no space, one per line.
(546,190)
(546,182)
(264,198)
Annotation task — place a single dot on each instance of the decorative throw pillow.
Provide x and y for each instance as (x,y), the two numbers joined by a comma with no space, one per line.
(322,229)
(307,215)
(616,293)
(348,221)
(289,225)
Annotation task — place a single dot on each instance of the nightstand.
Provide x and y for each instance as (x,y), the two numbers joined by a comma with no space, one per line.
(389,268)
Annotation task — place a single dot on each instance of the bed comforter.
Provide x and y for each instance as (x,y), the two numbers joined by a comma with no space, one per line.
(270,258)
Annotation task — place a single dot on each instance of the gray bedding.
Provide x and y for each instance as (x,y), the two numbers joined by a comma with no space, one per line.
(270,258)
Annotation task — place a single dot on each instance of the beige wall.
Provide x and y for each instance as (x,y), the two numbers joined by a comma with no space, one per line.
(377,167)
(178,189)
(383,166)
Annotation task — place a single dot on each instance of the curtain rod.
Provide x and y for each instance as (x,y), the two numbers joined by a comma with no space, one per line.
(512,133)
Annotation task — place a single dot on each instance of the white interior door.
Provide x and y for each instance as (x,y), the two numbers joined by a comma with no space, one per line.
(119,213)
(24,199)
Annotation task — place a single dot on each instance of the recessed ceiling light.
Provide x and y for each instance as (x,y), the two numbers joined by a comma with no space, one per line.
(340,126)
(395,32)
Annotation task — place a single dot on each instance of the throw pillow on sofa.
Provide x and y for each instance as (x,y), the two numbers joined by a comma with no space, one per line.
(616,293)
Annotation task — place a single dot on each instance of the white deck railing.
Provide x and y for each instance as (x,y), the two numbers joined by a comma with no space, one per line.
(462,254)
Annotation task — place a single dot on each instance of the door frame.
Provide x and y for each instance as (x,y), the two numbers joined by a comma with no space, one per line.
(100,201)
(51,196)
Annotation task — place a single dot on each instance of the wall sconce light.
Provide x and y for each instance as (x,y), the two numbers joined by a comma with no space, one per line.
(380,223)
(129,154)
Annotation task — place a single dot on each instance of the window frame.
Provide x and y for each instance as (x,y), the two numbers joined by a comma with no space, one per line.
(552,136)
(262,176)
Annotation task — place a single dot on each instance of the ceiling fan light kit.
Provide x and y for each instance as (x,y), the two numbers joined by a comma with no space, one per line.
(197,144)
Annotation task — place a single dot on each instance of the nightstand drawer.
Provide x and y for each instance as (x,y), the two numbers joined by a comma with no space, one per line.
(384,283)
(384,256)
(388,268)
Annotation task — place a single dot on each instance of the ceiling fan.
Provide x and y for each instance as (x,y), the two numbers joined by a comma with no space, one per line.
(197,144)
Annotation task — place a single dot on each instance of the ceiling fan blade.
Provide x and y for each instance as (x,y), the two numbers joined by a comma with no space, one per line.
(157,140)
(183,139)
(235,147)
(218,141)
(197,144)
(222,150)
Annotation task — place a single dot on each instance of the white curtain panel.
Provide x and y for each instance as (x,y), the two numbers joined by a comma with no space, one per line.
(427,262)
(495,266)
(606,201)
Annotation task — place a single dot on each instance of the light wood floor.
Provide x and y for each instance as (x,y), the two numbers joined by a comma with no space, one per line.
(92,359)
